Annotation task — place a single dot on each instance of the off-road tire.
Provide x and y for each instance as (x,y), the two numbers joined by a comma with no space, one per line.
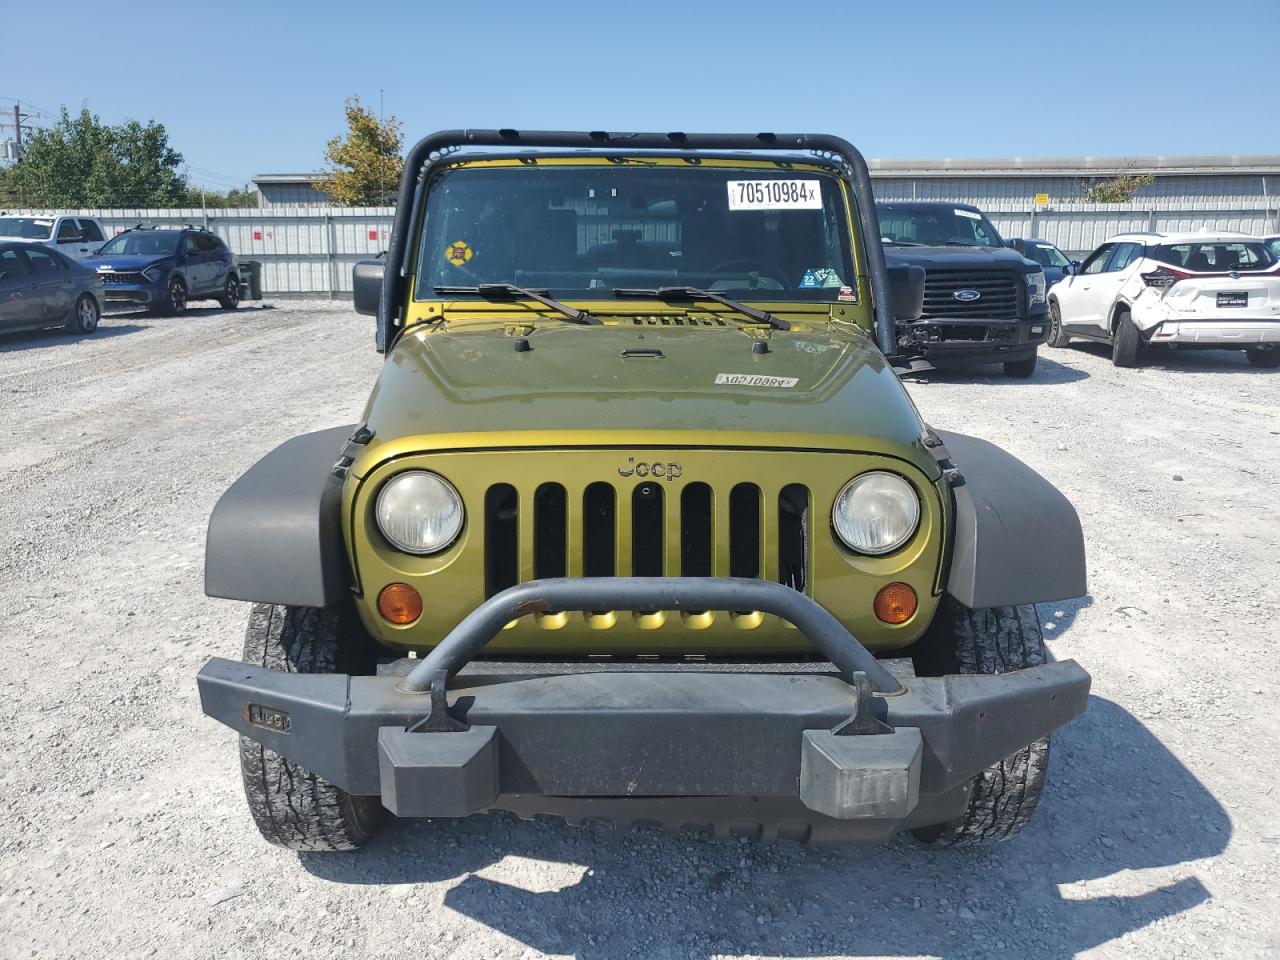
(1003,797)
(1267,359)
(292,807)
(1057,336)
(85,316)
(229,298)
(1126,343)
(1021,369)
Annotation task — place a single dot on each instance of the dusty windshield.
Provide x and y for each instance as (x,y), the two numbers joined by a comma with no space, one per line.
(759,233)
(26,228)
(935,226)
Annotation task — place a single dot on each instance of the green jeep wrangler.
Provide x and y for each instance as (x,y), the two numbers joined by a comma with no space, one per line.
(640,524)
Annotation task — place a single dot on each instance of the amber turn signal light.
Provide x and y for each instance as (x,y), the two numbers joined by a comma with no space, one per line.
(400,604)
(895,603)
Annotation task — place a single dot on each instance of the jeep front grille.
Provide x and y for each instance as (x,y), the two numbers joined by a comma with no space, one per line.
(998,290)
(646,529)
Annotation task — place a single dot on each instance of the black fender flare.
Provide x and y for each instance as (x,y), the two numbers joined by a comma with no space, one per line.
(275,536)
(1016,539)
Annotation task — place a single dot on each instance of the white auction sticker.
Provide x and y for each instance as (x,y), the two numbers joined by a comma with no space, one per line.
(775,194)
(754,380)
(968,213)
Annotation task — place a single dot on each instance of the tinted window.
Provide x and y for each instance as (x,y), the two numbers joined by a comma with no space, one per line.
(587,230)
(1125,254)
(1097,261)
(189,243)
(1045,255)
(1228,256)
(935,226)
(12,266)
(206,242)
(68,231)
(28,228)
(44,261)
(157,243)
(91,231)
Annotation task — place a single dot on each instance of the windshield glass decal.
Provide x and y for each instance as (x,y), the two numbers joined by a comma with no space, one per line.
(775,194)
(584,232)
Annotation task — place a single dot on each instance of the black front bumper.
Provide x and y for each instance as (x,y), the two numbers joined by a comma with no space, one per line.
(973,340)
(852,752)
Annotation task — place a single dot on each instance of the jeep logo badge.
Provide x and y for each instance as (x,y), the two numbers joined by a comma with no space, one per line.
(967,295)
(662,471)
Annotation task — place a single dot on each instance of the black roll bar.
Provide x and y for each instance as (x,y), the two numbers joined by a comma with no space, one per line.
(431,149)
(486,621)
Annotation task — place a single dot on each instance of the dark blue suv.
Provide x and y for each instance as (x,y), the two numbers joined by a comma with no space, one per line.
(162,269)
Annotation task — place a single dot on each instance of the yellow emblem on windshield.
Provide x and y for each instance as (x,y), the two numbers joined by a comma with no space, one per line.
(458,253)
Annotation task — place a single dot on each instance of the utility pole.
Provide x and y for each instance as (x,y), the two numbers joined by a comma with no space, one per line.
(17,125)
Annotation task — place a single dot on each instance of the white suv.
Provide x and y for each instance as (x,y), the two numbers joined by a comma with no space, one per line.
(1141,290)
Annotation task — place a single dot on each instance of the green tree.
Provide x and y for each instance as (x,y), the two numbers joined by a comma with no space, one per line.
(364,168)
(82,162)
(1117,189)
(244,196)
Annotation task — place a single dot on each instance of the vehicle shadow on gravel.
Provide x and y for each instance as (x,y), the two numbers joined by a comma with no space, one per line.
(1118,802)
(1190,361)
(40,339)
(1048,371)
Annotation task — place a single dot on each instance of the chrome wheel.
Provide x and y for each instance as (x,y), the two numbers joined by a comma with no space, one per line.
(87,314)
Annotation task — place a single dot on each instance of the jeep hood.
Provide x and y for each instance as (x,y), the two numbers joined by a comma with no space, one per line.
(648,385)
(960,258)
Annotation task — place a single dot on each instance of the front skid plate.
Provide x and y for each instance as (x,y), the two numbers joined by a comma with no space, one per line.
(644,735)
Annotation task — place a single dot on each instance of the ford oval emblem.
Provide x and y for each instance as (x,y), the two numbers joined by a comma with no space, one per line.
(967,295)
(1234,274)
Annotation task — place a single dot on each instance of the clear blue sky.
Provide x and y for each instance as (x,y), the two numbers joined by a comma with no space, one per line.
(258,87)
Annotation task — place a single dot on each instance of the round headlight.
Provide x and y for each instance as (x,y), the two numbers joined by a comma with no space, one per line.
(419,512)
(876,513)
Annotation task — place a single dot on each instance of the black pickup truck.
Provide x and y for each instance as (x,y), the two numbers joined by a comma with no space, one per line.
(983,302)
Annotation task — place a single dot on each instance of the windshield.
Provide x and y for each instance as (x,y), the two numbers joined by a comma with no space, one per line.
(935,226)
(27,228)
(1246,255)
(1046,255)
(158,244)
(585,231)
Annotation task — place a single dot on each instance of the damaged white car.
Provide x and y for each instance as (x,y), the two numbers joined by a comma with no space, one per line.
(1137,291)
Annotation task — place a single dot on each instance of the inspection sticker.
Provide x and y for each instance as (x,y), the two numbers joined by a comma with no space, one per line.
(754,380)
(775,194)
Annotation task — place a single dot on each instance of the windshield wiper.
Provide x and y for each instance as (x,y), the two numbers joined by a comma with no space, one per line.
(901,243)
(498,291)
(694,293)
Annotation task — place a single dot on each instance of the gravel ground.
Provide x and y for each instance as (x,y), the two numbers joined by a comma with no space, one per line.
(124,833)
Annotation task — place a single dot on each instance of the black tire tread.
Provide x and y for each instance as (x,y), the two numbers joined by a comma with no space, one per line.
(1126,344)
(1003,797)
(226,302)
(291,806)
(1057,336)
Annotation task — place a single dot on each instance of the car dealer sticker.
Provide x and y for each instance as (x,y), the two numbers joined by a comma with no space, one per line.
(775,194)
(754,380)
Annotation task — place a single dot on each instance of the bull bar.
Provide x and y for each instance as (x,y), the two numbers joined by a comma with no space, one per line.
(852,743)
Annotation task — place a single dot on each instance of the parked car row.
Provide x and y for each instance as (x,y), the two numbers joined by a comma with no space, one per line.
(160,269)
(986,299)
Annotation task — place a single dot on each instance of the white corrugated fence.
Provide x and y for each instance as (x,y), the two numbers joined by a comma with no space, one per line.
(309,251)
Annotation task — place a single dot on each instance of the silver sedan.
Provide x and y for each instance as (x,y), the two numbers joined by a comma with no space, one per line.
(40,288)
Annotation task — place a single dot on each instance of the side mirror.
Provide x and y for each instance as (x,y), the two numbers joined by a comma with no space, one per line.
(906,292)
(1071,269)
(1011,244)
(366,286)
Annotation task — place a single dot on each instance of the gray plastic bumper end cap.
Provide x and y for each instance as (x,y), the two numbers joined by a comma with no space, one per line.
(438,774)
(857,777)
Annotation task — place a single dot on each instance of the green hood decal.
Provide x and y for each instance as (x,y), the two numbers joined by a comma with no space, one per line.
(472,379)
